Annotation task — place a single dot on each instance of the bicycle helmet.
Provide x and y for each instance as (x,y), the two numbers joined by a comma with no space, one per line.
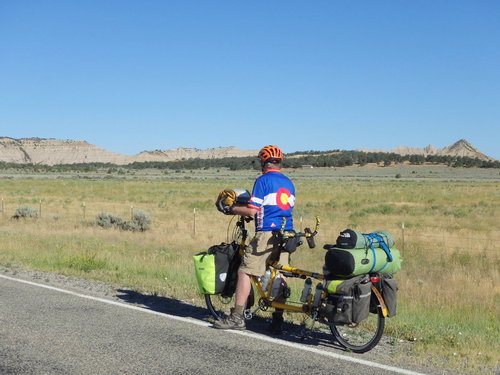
(270,154)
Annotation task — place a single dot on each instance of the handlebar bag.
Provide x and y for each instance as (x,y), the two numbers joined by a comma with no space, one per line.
(216,269)
(288,241)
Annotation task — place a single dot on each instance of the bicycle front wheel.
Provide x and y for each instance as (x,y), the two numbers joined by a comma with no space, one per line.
(363,336)
(220,307)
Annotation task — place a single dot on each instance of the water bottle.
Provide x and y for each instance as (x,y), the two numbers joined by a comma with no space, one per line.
(306,291)
(264,280)
(276,288)
(317,295)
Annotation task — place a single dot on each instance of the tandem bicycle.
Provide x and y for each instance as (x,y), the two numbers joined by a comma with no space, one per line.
(325,301)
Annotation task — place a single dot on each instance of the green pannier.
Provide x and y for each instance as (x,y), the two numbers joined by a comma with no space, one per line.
(215,269)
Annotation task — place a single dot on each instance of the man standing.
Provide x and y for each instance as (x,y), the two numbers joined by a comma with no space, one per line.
(273,198)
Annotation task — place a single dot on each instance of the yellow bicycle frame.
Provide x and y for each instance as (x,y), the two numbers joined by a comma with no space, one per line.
(265,295)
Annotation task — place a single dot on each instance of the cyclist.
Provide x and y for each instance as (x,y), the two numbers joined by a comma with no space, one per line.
(273,198)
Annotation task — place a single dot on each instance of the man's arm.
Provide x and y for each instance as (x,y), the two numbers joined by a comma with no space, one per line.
(243,211)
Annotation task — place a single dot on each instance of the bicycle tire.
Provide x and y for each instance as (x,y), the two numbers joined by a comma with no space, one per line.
(362,337)
(219,307)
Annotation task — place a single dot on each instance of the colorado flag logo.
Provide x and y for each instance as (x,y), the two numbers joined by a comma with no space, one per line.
(284,199)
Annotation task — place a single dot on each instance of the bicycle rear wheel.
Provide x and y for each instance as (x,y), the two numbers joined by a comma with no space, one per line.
(363,336)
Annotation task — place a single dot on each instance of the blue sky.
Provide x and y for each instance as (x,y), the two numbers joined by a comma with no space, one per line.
(130,76)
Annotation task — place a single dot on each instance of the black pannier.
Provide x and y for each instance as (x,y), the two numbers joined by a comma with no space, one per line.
(351,301)
(389,293)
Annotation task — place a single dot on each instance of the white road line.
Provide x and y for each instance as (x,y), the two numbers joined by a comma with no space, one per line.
(242,333)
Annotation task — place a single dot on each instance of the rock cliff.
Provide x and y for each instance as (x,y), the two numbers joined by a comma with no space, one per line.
(53,151)
(459,148)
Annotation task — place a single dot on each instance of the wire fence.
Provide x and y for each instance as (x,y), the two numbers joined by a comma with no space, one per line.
(408,238)
(485,247)
(490,243)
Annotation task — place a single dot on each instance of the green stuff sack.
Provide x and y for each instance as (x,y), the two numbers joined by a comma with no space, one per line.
(385,236)
(343,263)
(352,239)
(213,268)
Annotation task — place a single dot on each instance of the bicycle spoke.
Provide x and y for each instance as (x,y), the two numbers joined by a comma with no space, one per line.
(362,337)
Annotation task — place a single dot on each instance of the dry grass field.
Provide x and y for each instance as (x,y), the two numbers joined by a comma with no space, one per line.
(445,222)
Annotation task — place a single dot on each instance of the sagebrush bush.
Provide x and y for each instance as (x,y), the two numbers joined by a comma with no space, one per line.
(140,221)
(106,220)
(23,212)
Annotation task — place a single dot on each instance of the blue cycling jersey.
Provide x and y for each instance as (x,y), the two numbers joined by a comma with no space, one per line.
(273,195)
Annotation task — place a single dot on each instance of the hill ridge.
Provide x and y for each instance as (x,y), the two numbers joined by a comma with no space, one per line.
(50,151)
(460,148)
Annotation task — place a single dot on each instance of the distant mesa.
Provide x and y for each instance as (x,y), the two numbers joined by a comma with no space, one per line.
(459,148)
(192,153)
(54,151)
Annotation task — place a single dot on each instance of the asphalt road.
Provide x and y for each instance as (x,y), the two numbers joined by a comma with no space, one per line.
(49,331)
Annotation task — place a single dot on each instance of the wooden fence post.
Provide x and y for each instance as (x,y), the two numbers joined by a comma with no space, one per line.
(194,222)
(403,234)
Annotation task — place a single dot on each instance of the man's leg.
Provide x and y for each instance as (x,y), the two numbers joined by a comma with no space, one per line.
(253,263)
(276,326)
(242,292)
(236,319)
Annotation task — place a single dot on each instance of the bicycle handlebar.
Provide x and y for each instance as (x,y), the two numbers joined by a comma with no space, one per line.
(307,231)
(308,234)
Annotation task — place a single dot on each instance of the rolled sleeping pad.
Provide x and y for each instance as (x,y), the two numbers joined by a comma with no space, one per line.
(345,263)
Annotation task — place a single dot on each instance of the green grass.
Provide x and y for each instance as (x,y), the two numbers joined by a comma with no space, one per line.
(449,285)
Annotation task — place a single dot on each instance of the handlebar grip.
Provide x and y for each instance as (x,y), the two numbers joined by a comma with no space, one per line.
(309,238)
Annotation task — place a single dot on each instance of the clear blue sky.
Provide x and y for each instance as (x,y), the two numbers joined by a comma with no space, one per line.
(130,76)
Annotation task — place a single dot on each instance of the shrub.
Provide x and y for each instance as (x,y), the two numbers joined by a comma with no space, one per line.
(106,220)
(130,225)
(140,221)
(24,212)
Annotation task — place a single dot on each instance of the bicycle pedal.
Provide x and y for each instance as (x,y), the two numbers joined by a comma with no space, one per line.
(287,292)
(247,314)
